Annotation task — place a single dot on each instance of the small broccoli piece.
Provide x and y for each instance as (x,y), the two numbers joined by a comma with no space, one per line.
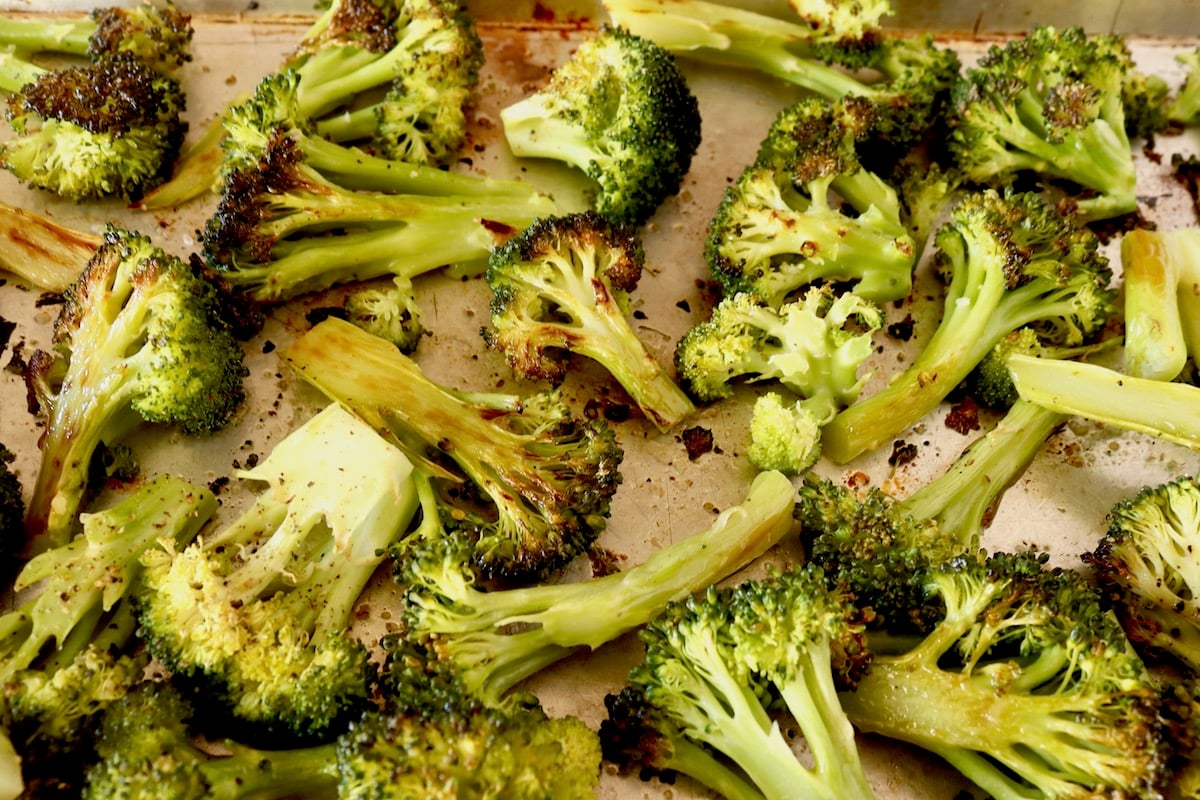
(715,667)
(1049,103)
(991,382)
(12,785)
(1185,106)
(562,286)
(255,616)
(39,250)
(907,77)
(619,110)
(1009,261)
(107,129)
(156,33)
(1024,683)
(807,211)
(388,312)
(1147,563)
(139,338)
(493,640)
(12,508)
(927,190)
(783,436)
(814,346)
(532,481)
(1160,270)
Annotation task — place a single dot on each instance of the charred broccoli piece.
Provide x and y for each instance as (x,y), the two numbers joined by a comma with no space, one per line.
(12,507)
(389,312)
(39,250)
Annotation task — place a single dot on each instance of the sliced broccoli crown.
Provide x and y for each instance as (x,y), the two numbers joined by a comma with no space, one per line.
(619,110)
(1185,106)
(494,639)
(107,129)
(12,507)
(257,613)
(562,286)
(1009,260)
(715,665)
(1049,103)
(813,346)
(388,312)
(532,481)
(1146,562)
(139,337)
(782,226)
(1026,684)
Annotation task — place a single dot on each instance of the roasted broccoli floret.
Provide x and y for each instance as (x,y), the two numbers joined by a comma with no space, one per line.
(845,54)
(255,616)
(1024,683)
(112,128)
(389,312)
(531,481)
(807,211)
(1009,261)
(495,639)
(39,250)
(1148,563)
(620,110)
(562,286)
(1049,103)
(1160,270)
(1185,106)
(12,508)
(139,337)
(717,668)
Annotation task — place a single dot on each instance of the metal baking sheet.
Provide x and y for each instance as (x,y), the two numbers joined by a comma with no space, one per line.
(1058,506)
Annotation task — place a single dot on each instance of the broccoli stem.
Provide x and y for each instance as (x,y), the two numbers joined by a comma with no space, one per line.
(1162,311)
(309,772)
(1166,410)
(39,250)
(59,35)
(699,765)
(534,130)
(17,73)
(327,81)
(197,171)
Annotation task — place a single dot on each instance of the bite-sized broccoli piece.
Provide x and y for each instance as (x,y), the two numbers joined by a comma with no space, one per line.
(927,190)
(157,33)
(1161,270)
(1025,684)
(1009,261)
(112,128)
(1185,106)
(907,77)
(561,286)
(139,337)
(814,346)
(530,480)
(715,669)
(495,639)
(783,436)
(41,251)
(991,382)
(389,312)
(620,110)
(12,508)
(1147,562)
(1049,103)
(807,211)
(256,616)
(12,785)
(67,646)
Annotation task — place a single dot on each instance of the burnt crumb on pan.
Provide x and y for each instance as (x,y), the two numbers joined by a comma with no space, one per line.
(963,416)
(697,441)
(902,453)
(902,330)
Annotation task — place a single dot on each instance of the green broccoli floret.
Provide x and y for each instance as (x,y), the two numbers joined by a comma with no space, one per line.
(139,337)
(1009,261)
(41,251)
(562,286)
(620,110)
(388,312)
(493,640)
(807,211)
(12,508)
(112,128)
(1185,106)
(1147,562)
(1050,103)
(783,436)
(714,670)
(1024,683)
(67,647)
(255,616)
(529,480)
(814,346)
(156,33)
(1160,270)
(907,77)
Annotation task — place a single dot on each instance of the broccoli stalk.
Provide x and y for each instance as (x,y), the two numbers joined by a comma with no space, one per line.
(256,614)
(619,110)
(1146,562)
(1162,311)
(1025,684)
(39,250)
(532,482)
(713,666)
(1010,262)
(139,337)
(495,639)
(1184,108)
(105,129)
(562,286)
(158,34)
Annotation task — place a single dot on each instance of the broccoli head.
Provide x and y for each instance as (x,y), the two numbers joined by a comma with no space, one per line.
(389,312)
(561,286)
(619,110)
